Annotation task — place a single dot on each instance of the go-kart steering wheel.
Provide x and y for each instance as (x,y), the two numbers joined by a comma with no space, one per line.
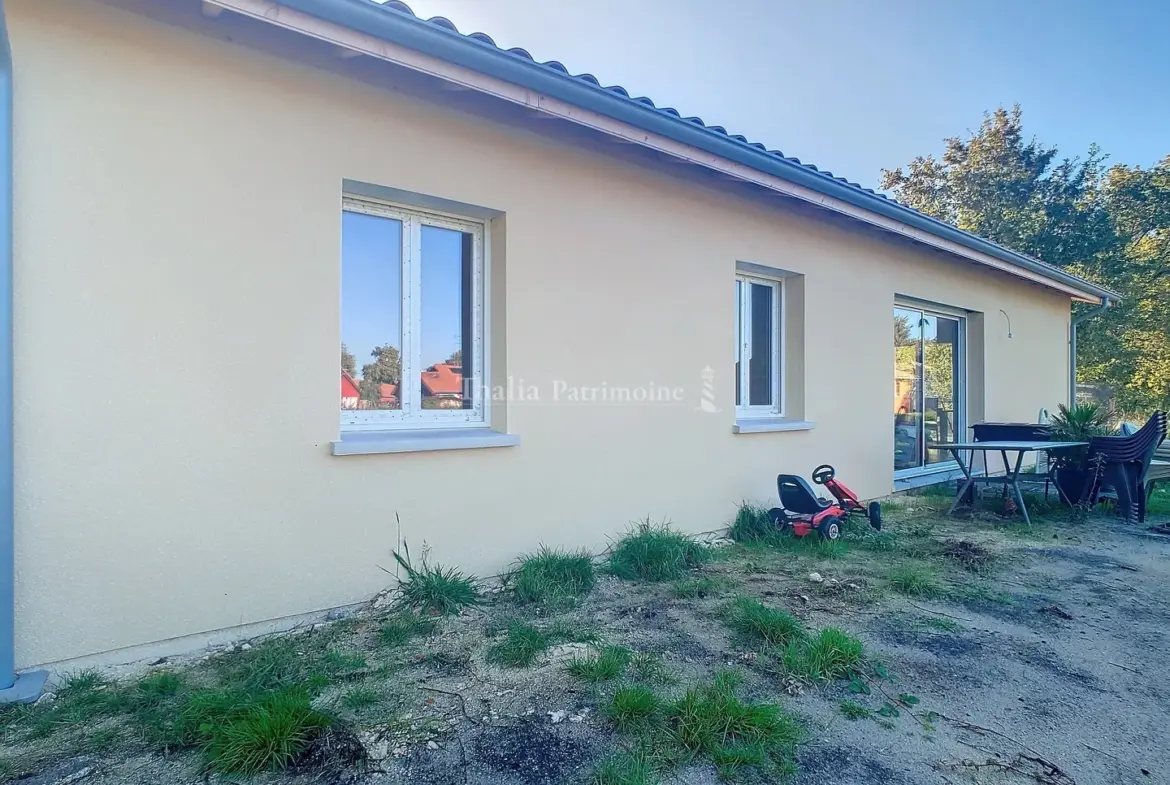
(823,473)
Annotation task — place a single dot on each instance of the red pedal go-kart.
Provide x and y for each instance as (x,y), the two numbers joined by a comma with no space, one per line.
(803,512)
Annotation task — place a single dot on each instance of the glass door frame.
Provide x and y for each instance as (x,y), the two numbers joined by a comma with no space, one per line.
(960,393)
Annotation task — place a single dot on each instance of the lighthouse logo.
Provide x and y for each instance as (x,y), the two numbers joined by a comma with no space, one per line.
(707,401)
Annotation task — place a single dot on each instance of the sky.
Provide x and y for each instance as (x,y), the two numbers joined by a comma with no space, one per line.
(855,86)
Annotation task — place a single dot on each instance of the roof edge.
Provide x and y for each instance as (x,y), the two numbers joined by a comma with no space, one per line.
(448,44)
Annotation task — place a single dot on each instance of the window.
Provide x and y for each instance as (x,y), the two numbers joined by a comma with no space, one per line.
(412,332)
(929,386)
(758,357)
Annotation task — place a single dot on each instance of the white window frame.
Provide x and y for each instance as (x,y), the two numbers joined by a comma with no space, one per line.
(411,415)
(743,347)
(960,315)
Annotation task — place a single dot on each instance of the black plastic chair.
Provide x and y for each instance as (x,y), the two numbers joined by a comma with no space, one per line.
(1124,461)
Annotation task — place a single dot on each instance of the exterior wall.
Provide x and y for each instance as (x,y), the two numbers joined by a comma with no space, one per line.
(178,223)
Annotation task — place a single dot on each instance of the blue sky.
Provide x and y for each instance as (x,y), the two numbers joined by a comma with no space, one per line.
(857,85)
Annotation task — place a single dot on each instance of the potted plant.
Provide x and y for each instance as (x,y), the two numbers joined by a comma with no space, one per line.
(1077,423)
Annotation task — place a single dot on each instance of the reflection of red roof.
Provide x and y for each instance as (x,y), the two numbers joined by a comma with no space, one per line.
(388,393)
(349,388)
(443,379)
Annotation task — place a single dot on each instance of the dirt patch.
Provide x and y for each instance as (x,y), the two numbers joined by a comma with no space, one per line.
(533,753)
(971,555)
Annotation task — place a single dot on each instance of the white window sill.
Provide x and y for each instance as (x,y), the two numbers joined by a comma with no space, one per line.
(379,442)
(769,425)
(923,478)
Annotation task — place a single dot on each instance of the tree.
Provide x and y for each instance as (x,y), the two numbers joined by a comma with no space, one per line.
(456,358)
(1112,226)
(348,363)
(386,369)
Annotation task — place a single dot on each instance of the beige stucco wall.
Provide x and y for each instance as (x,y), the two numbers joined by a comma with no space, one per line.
(176,277)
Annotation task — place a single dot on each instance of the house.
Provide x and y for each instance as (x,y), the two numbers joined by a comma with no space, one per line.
(350,392)
(652,316)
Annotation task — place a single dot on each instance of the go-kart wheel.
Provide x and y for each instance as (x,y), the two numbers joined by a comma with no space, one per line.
(823,473)
(779,519)
(875,515)
(830,528)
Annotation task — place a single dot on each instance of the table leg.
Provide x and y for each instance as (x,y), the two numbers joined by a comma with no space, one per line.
(969,481)
(1014,479)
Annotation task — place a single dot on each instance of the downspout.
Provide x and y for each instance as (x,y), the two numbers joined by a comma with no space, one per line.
(1072,346)
(26,687)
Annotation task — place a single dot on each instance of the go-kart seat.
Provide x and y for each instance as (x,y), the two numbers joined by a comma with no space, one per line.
(796,495)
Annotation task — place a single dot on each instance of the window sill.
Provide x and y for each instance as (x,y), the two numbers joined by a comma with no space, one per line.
(921,479)
(769,425)
(380,442)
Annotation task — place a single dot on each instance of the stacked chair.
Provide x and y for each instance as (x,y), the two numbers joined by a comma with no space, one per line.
(1123,462)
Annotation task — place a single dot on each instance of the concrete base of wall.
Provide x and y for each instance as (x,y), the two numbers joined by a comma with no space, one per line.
(26,689)
(136,659)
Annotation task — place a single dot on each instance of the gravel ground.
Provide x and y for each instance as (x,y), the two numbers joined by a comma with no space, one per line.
(1052,671)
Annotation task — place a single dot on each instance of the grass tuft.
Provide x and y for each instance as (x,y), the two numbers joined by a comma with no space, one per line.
(758,623)
(267,735)
(853,710)
(649,667)
(734,733)
(604,665)
(360,698)
(654,552)
(551,577)
(914,580)
(523,642)
(751,524)
(403,627)
(694,588)
(626,768)
(829,655)
(632,707)
(432,589)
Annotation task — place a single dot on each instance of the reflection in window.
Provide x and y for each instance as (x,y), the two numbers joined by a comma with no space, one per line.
(446,317)
(371,311)
(928,385)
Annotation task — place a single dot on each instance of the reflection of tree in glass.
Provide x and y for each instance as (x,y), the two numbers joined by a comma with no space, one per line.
(456,358)
(348,363)
(902,331)
(386,369)
(940,382)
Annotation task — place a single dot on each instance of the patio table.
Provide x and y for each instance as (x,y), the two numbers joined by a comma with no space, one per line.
(1012,478)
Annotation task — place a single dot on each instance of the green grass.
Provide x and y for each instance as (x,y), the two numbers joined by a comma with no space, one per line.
(829,655)
(605,664)
(649,667)
(626,768)
(694,588)
(357,698)
(939,623)
(853,710)
(551,577)
(632,707)
(654,552)
(751,524)
(343,664)
(1159,503)
(432,589)
(267,735)
(403,627)
(714,722)
(759,624)
(523,642)
(914,580)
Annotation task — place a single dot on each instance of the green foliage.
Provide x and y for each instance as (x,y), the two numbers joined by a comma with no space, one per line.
(357,698)
(604,665)
(829,655)
(941,624)
(1112,226)
(524,642)
(649,667)
(853,710)
(553,577)
(403,627)
(758,623)
(385,369)
(632,707)
(266,735)
(433,589)
(1080,422)
(734,733)
(694,588)
(914,580)
(751,524)
(626,768)
(654,552)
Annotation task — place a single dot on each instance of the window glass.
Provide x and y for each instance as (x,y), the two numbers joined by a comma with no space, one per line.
(940,380)
(446,313)
(760,371)
(371,312)
(739,345)
(907,396)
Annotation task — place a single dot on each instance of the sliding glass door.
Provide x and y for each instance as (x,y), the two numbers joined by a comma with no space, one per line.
(929,386)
